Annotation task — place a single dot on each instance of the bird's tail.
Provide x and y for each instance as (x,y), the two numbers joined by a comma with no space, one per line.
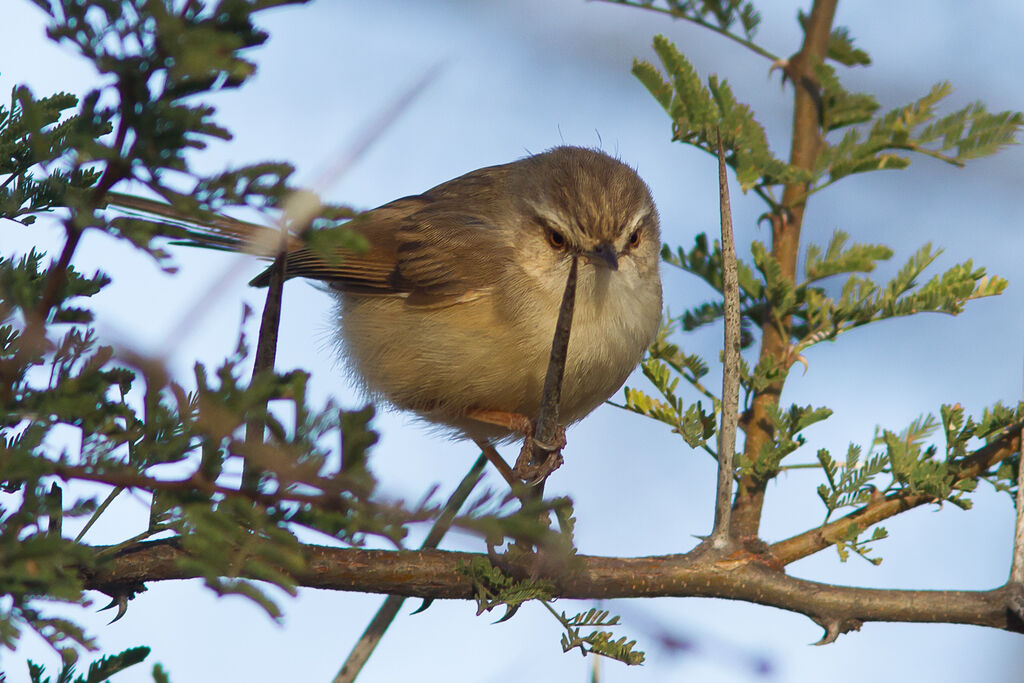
(210,230)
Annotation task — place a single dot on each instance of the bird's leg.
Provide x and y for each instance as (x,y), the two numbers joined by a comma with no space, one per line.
(513,422)
(492,455)
(526,469)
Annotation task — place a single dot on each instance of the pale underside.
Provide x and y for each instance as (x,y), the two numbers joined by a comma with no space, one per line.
(453,307)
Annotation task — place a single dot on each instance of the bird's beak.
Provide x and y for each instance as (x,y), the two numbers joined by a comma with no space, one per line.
(603,253)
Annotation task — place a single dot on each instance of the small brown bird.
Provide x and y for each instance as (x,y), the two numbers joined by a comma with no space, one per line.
(450,313)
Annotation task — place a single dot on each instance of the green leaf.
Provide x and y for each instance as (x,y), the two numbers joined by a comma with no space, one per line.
(840,258)
(651,78)
(701,114)
(786,438)
(968,133)
(841,49)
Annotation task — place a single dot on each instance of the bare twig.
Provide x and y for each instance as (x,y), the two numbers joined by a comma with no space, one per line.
(679,14)
(114,493)
(375,630)
(301,211)
(538,452)
(266,354)
(722,532)
(547,418)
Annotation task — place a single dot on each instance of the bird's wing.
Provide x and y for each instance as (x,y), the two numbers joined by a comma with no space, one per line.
(426,248)
(374,271)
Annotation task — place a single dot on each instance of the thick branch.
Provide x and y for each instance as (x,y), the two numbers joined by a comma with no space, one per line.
(786,222)
(436,574)
(1017,564)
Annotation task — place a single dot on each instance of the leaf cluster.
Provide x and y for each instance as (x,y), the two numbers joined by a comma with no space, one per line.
(492,587)
(835,294)
(787,427)
(906,464)
(99,671)
(598,642)
(811,311)
(35,136)
(808,313)
(82,422)
(664,364)
(967,133)
(79,410)
(704,115)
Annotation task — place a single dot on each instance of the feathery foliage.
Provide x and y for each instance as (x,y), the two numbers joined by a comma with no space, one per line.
(83,420)
(596,642)
(99,671)
(836,294)
(76,412)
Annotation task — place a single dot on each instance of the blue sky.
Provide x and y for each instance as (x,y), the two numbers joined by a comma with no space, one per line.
(525,76)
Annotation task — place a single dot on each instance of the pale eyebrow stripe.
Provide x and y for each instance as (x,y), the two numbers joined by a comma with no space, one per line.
(552,218)
(638,218)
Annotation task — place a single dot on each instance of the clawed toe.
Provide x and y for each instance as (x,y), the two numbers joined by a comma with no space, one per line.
(538,459)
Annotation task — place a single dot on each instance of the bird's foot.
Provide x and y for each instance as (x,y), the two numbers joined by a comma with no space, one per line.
(538,459)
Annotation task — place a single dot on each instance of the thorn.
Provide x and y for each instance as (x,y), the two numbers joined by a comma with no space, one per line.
(119,598)
(876,495)
(783,66)
(427,602)
(803,361)
(121,602)
(793,356)
(836,627)
(510,611)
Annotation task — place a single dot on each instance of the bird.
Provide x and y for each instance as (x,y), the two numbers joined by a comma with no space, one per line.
(450,311)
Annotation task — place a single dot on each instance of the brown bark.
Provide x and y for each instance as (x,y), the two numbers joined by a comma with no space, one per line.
(436,574)
(786,225)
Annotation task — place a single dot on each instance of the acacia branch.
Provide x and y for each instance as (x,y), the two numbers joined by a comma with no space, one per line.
(714,28)
(1017,564)
(814,540)
(329,499)
(435,574)
(786,222)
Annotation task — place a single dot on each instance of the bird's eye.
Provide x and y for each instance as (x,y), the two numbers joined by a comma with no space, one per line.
(556,239)
(634,239)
